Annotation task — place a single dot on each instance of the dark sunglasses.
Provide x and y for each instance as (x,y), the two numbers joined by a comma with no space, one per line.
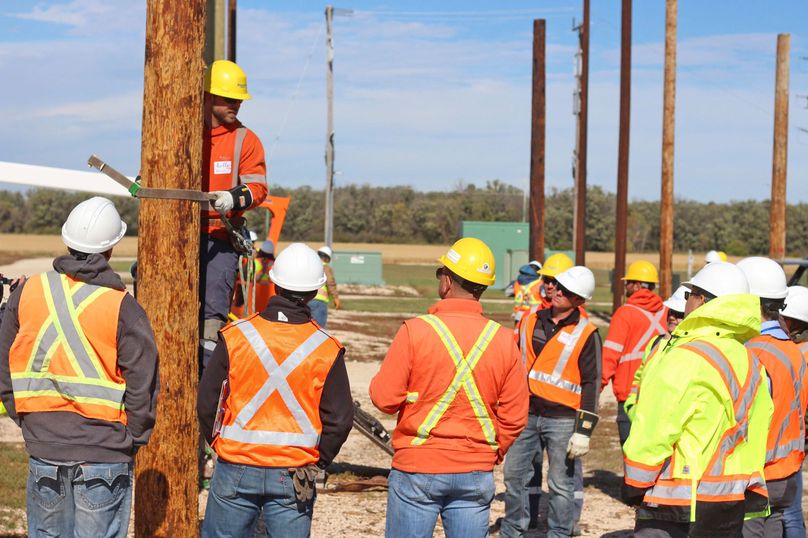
(230,100)
(564,291)
(696,292)
(550,280)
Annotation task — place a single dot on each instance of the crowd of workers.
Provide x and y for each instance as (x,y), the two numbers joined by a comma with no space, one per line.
(709,383)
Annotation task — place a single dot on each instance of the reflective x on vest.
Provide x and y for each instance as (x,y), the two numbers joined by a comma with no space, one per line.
(654,327)
(464,365)
(309,437)
(781,450)
(90,383)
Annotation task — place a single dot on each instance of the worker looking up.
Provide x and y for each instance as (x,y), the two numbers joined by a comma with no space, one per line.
(795,320)
(676,312)
(527,290)
(785,366)
(455,379)
(632,327)
(78,374)
(234,170)
(286,408)
(684,466)
(319,305)
(562,351)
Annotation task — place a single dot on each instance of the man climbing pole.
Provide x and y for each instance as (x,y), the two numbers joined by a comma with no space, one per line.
(235,171)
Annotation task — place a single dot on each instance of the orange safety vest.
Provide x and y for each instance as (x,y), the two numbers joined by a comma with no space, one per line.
(275,378)
(713,485)
(643,326)
(526,297)
(554,375)
(786,367)
(65,354)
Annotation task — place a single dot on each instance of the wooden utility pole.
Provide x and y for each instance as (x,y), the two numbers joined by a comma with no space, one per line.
(329,140)
(231,30)
(666,198)
(622,158)
(537,133)
(777,225)
(579,239)
(214,31)
(166,475)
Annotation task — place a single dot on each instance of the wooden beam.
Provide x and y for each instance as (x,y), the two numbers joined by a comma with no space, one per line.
(168,249)
(621,222)
(580,179)
(668,115)
(537,138)
(777,226)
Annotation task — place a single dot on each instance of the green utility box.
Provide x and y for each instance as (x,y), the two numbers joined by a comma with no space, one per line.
(355,267)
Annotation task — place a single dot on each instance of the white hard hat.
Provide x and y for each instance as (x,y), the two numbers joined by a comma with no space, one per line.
(326,250)
(796,303)
(579,280)
(766,278)
(536,264)
(298,268)
(93,226)
(676,301)
(713,256)
(719,278)
(253,236)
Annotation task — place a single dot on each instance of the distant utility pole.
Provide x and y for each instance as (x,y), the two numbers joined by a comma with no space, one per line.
(622,158)
(537,134)
(214,31)
(166,474)
(668,114)
(329,144)
(581,108)
(231,30)
(777,226)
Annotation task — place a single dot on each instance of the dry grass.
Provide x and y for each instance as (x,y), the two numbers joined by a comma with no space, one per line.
(51,245)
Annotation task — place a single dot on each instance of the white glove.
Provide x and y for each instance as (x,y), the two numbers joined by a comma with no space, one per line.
(578,446)
(223,202)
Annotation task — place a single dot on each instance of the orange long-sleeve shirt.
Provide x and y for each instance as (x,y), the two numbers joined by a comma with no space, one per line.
(224,169)
(416,374)
(633,325)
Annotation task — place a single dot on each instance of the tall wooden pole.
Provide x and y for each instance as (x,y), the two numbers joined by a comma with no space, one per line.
(329,143)
(168,248)
(621,224)
(231,30)
(537,133)
(580,176)
(777,226)
(666,198)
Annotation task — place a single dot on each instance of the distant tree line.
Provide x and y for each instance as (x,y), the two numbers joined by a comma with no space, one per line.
(363,213)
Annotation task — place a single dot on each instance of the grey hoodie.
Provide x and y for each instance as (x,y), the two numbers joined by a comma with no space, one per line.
(67,436)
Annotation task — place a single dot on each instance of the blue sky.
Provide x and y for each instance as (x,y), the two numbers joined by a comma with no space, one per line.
(428,94)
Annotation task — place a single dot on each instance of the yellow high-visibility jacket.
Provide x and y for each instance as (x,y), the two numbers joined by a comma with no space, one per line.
(701,421)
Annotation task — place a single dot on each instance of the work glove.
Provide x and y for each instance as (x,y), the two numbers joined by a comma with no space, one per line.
(223,202)
(303,481)
(578,446)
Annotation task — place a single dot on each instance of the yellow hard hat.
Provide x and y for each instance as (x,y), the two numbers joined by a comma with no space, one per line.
(226,79)
(557,263)
(471,259)
(642,271)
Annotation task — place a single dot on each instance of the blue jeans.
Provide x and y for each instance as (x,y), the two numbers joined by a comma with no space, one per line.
(540,434)
(81,500)
(239,492)
(793,521)
(415,500)
(218,267)
(319,311)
